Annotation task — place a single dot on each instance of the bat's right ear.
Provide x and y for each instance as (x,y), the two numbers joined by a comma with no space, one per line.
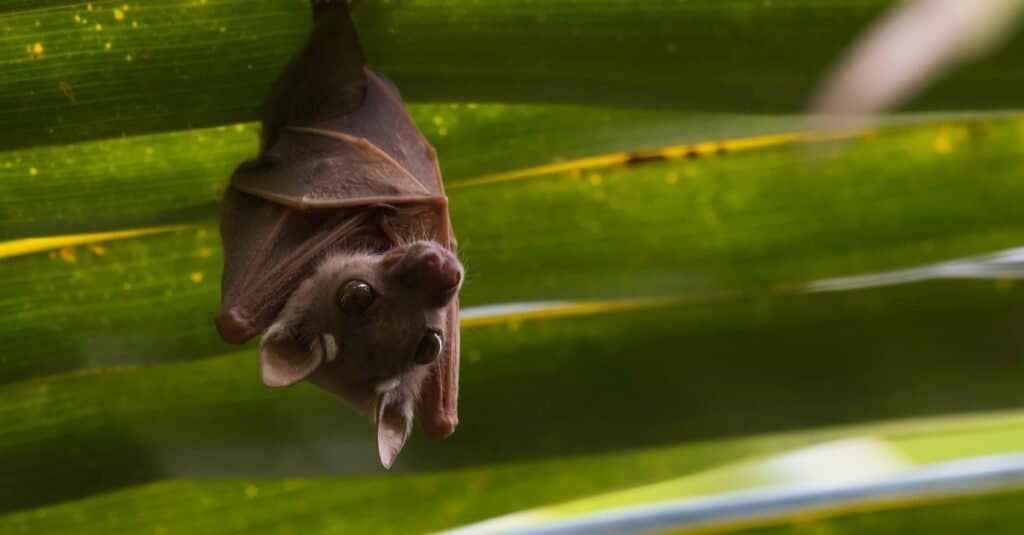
(394,420)
(284,360)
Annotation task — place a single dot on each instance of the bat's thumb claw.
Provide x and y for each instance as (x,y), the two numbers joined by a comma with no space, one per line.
(234,325)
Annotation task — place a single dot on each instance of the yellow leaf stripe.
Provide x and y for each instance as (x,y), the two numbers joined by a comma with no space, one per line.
(50,243)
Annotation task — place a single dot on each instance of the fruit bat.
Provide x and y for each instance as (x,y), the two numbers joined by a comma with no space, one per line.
(338,245)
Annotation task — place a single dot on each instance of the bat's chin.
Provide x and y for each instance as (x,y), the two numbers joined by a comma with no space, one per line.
(356,387)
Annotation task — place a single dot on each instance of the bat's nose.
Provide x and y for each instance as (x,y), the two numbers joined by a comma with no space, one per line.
(446,271)
(433,270)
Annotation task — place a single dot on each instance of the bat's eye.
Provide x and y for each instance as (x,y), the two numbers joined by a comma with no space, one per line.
(355,296)
(429,348)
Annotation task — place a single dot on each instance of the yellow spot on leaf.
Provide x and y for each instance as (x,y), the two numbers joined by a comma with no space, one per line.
(97,250)
(78,18)
(88,7)
(595,179)
(196,276)
(99,27)
(38,24)
(67,254)
(135,24)
(37,50)
(438,120)
(33,171)
(942,144)
(118,14)
(239,127)
(252,491)
(108,46)
(128,57)
(443,131)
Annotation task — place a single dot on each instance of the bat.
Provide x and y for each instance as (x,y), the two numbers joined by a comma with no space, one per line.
(338,246)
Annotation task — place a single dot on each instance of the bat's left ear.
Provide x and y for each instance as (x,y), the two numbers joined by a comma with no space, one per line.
(283,359)
(394,420)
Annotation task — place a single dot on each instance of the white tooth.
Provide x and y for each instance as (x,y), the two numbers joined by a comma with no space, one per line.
(385,386)
(274,330)
(330,346)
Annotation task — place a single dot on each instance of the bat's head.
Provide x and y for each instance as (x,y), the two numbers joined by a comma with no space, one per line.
(366,327)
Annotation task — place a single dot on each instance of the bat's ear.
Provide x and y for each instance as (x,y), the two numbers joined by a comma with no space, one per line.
(394,420)
(284,360)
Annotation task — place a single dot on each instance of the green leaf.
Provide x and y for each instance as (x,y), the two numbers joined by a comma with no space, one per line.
(747,220)
(731,367)
(130,68)
(176,177)
(846,477)
(425,502)
(680,242)
(994,514)
(104,69)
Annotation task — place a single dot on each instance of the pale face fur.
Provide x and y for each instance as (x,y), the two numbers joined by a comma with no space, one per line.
(372,356)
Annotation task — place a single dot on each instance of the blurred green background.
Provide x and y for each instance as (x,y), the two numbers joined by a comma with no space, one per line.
(643,164)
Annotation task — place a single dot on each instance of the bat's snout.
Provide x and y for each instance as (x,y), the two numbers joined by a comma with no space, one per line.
(446,271)
(430,266)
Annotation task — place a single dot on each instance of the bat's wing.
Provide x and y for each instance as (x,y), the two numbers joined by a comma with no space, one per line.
(269,249)
(438,409)
(384,120)
(373,155)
